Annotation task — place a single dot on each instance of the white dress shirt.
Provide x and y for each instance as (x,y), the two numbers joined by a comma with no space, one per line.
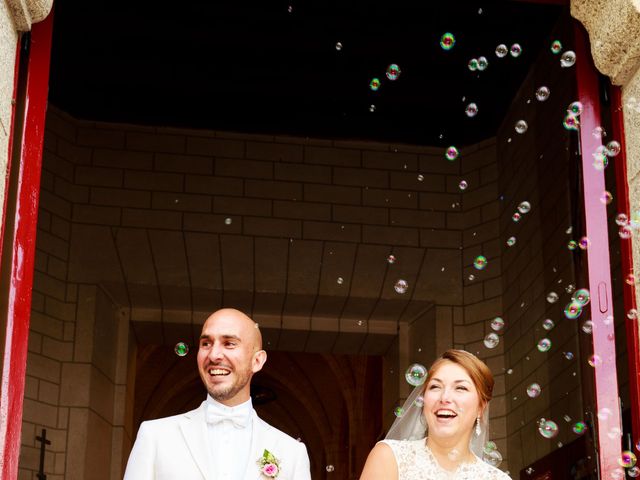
(230,443)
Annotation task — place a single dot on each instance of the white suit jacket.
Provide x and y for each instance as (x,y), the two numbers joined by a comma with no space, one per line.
(177,448)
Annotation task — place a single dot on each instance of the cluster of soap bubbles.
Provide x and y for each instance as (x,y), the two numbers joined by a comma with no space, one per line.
(491,455)
(571,120)
(628,225)
(480,64)
(523,209)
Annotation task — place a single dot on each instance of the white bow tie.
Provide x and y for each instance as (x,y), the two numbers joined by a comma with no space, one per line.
(238,419)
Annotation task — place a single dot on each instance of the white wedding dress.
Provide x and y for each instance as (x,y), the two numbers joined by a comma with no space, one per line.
(416,462)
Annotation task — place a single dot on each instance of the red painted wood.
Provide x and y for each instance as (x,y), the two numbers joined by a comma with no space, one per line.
(603,335)
(22,241)
(629,290)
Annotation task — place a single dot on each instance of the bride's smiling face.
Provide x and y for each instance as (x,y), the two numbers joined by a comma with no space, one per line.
(451,402)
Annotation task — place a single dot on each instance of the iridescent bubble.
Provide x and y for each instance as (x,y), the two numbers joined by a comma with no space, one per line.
(544,345)
(570,288)
(579,428)
(634,472)
(584,243)
(556,47)
(471,277)
(516,217)
(599,132)
(571,122)
(290,8)
(575,108)
(632,314)
(338,46)
(452,153)
(480,263)
(548,324)
(340,281)
(613,148)
(471,110)
(622,219)
(463,185)
(594,360)
(416,374)
(542,93)
(524,207)
(420,177)
(573,310)
(587,327)
(490,446)
(582,297)
(401,286)
(374,84)
(568,355)
(534,390)
(491,340)
(419,401)
(606,197)
(391,259)
(473,64)
(398,412)
(447,41)
(330,468)
(515,50)
(393,72)
(617,474)
(483,63)
(497,324)
(228,221)
(493,458)
(511,241)
(630,279)
(568,59)
(181,349)
(521,126)
(552,297)
(625,232)
(501,50)
(572,244)
(372,108)
(547,428)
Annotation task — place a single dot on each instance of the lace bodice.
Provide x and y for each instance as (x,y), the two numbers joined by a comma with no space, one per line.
(416,462)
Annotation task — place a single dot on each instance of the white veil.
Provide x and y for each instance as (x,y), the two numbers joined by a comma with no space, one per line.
(411,425)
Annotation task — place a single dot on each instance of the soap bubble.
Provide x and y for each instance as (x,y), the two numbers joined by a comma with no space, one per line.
(570,288)
(228,221)
(594,360)
(534,390)
(471,277)
(524,207)
(452,153)
(515,50)
(613,148)
(579,428)
(491,340)
(463,185)
(581,297)
(587,327)
(552,297)
(630,279)
(575,108)
(447,41)
(606,197)
(548,324)
(483,63)
(599,132)
(490,446)
(340,281)
(480,262)
(497,324)
(330,468)
(556,47)
(375,84)
(632,314)
(493,458)
(501,50)
(568,355)
(543,93)
(181,349)
(634,472)
(571,122)
(338,46)
(401,286)
(584,243)
(573,310)
(372,108)
(544,345)
(547,428)
(416,374)
(516,217)
(568,59)
(473,64)
(471,110)
(622,219)
(604,413)
(521,126)
(572,244)
(419,401)
(627,459)
(511,241)
(393,72)
(391,259)
(625,232)
(398,412)
(453,454)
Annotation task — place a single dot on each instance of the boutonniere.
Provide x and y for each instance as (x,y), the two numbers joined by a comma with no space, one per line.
(269,465)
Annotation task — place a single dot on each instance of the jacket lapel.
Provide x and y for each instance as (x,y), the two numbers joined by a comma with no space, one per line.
(257,448)
(194,431)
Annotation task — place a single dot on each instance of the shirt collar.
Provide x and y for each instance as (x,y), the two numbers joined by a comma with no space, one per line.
(244,408)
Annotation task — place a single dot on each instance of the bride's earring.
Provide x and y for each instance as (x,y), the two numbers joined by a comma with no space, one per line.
(478,429)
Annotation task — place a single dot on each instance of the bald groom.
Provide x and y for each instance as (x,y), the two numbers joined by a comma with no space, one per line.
(223,439)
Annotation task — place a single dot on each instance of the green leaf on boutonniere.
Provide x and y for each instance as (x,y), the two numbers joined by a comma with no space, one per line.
(268,457)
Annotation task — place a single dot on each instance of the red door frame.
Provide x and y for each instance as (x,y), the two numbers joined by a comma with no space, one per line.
(21,242)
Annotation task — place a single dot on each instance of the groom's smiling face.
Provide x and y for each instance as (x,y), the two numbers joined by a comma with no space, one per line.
(230,352)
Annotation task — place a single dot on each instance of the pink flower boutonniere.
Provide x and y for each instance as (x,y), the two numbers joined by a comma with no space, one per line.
(269,465)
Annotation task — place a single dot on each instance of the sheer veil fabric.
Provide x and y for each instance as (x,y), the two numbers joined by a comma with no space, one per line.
(411,425)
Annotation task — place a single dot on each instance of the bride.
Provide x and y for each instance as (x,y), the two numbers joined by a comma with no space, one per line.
(442,432)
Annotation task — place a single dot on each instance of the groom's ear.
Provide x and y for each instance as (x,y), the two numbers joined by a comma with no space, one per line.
(259,359)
